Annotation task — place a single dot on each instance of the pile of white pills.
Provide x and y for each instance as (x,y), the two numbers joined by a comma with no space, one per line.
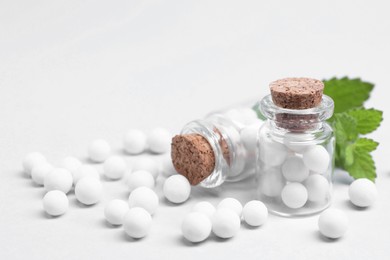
(224,220)
(293,172)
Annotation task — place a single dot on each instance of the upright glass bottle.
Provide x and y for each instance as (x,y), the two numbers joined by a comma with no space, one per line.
(295,158)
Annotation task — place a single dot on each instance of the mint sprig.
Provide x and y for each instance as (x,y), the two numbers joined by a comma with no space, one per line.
(350,121)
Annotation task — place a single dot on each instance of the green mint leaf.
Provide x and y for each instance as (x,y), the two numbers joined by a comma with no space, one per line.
(258,112)
(345,128)
(347,93)
(368,120)
(362,165)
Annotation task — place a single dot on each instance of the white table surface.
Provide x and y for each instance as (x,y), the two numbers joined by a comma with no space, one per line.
(72,71)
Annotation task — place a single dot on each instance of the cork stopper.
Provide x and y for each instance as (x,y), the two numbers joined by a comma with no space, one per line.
(297,93)
(192,157)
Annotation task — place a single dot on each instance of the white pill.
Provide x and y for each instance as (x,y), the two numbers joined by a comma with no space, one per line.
(363,193)
(167,168)
(58,179)
(85,171)
(318,188)
(196,227)
(72,164)
(255,213)
(145,198)
(226,223)
(294,169)
(333,223)
(249,137)
(146,164)
(99,150)
(89,190)
(294,195)
(115,211)
(204,207)
(316,158)
(31,160)
(272,153)
(137,222)
(55,203)
(135,141)
(272,182)
(177,189)
(40,171)
(114,167)
(231,203)
(159,140)
(297,142)
(140,179)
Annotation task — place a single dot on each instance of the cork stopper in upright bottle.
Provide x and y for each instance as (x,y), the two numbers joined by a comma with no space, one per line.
(297,93)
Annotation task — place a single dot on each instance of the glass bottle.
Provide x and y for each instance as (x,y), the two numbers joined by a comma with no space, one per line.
(232,137)
(295,158)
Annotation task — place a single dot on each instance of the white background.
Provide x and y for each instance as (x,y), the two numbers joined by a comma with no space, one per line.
(72,71)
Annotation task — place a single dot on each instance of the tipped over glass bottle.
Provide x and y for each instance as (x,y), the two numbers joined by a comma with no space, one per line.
(218,148)
(295,156)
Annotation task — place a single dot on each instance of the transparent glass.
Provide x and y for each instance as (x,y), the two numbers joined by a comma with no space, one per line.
(295,158)
(232,135)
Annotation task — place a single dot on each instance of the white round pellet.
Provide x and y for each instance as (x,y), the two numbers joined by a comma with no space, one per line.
(85,171)
(316,159)
(167,168)
(72,164)
(58,179)
(294,169)
(362,193)
(31,160)
(146,164)
(55,203)
(159,140)
(140,179)
(196,227)
(247,116)
(40,171)
(114,167)
(294,195)
(145,198)
(177,189)
(137,222)
(232,204)
(297,142)
(89,190)
(333,223)
(255,213)
(272,182)
(317,188)
(249,137)
(135,141)
(272,153)
(115,211)
(226,223)
(99,150)
(204,207)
